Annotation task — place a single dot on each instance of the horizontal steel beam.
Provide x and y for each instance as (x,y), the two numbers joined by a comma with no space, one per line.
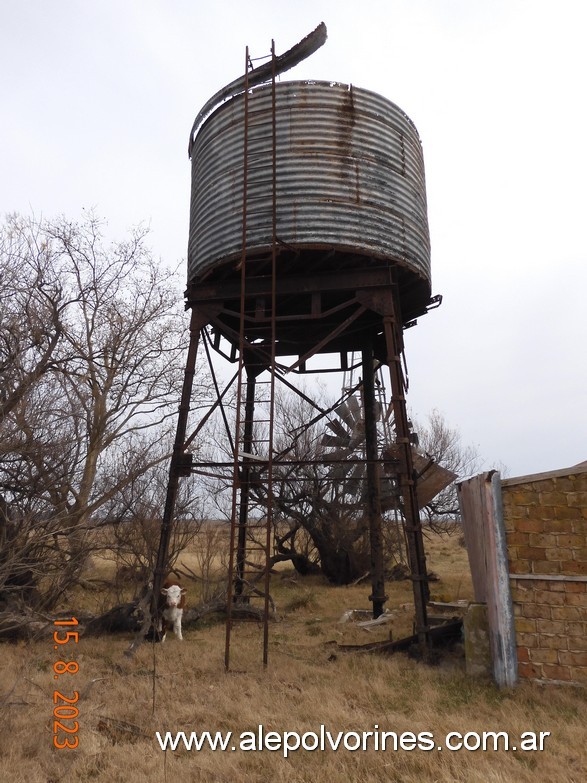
(348,280)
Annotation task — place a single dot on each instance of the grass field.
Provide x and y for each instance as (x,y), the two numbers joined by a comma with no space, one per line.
(183,686)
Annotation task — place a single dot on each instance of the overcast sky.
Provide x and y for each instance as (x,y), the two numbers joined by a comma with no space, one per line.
(99,96)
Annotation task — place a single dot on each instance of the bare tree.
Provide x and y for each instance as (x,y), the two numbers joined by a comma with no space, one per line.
(91,354)
(131,527)
(317,526)
(445,444)
(32,303)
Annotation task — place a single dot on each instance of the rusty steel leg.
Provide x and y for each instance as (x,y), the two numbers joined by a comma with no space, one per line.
(413,526)
(177,466)
(377,596)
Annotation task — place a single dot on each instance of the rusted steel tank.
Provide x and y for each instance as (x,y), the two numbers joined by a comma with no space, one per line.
(350,180)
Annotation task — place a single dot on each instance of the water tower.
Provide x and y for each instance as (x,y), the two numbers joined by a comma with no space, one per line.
(308,242)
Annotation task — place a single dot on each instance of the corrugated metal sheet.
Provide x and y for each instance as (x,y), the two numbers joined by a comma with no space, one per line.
(350,176)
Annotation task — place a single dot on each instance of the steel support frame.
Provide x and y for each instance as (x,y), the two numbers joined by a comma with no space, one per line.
(386,303)
(177,466)
(377,596)
(385,341)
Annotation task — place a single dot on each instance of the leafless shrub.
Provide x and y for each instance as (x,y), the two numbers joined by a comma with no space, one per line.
(91,338)
(211,553)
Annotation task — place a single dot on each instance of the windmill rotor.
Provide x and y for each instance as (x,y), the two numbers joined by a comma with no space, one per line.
(345,441)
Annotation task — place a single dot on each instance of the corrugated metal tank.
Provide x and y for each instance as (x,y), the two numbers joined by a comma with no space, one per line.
(350,178)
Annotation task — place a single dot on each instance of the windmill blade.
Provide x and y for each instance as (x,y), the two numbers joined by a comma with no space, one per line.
(341,437)
(349,411)
(340,471)
(337,454)
(358,436)
(355,407)
(335,440)
(432,480)
(335,426)
(432,477)
(357,474)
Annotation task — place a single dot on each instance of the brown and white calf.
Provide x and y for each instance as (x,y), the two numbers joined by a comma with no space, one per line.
(171,606)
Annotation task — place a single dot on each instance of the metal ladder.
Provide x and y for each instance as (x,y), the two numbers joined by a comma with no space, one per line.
(251,536)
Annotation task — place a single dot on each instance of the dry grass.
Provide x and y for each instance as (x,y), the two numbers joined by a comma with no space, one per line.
(308,682)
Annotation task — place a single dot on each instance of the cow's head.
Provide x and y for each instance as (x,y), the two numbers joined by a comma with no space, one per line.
(173,594)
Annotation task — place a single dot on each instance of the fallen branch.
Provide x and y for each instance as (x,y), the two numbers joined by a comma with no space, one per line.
(21,625)
(445,634)
(126,617)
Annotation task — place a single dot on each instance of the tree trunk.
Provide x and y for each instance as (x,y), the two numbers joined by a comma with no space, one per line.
(341,565)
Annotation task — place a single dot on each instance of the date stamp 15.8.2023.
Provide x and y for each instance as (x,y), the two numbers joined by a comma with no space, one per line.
(65,711)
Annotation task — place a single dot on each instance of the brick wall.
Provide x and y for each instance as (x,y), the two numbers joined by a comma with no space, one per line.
(545,518)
